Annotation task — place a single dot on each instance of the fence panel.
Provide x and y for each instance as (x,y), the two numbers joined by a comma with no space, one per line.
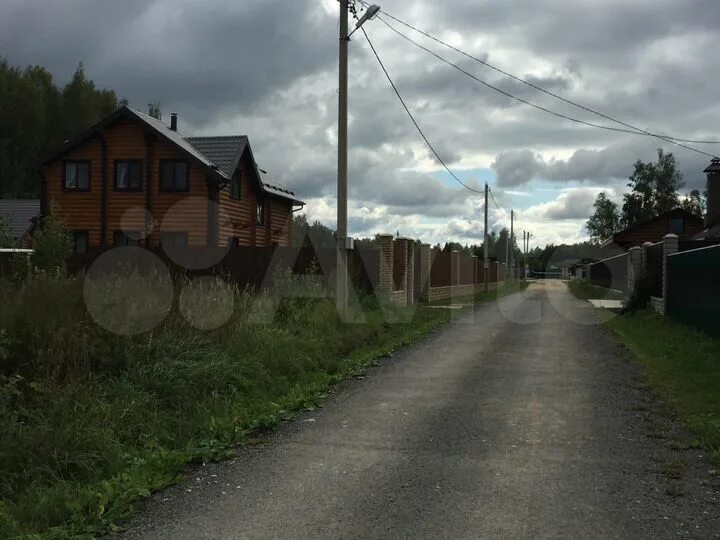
(610,273)
(467,270)
(654,269)
(440,270)
(255,267)
(694,288)
(686,245)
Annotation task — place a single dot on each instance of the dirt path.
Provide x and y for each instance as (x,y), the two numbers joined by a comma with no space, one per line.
(522,420)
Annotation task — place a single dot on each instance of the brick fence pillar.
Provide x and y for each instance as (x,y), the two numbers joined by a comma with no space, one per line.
(425,269)
(454,267)
(497,272)
(402,253)
(410,272)
(385,281)
(476,276)
(634,270)
(671,243)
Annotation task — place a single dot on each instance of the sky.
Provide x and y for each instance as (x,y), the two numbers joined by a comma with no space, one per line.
(268,69)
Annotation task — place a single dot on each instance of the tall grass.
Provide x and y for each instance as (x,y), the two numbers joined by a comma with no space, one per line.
(683,366)
(92,421)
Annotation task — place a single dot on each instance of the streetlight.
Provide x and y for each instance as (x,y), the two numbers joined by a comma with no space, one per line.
(343,242)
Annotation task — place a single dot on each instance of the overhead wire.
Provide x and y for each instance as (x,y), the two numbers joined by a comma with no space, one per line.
(634,129)
(412,118)
(535,105)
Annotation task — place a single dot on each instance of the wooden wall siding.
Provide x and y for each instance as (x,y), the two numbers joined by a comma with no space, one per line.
(237,217)
(180,211)
(280,220)
(125,140)
(79,210)
(177,212)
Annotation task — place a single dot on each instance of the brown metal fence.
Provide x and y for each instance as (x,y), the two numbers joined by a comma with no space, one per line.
(467,270)
(440,270)
(256,267)
(610,273)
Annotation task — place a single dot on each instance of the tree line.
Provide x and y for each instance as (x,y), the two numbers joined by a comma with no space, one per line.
(37,116)
(654,189)
(304,233)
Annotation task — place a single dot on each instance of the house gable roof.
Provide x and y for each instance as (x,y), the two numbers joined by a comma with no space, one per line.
(154,125)
(18,214)
(219,154)
(223,151)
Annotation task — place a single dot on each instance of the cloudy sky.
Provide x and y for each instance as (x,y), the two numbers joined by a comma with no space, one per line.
(268,69)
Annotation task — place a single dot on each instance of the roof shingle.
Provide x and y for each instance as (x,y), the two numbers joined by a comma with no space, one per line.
(223,151)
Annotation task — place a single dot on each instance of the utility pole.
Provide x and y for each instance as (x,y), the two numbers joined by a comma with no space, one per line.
(486,263)
(512,244)
(527,247)
(341,276)
(343,242)
(507,250)
(524,258)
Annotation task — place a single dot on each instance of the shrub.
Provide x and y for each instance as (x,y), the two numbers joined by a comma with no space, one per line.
(52,245)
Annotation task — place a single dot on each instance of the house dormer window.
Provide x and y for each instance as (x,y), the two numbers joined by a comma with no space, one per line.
(235,185)
(174,175)
(260,212)
(76,176)
(128,175)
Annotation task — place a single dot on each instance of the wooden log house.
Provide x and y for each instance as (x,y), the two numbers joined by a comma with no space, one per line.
(133,180)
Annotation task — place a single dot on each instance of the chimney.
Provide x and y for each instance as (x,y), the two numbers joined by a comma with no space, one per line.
(173,121)
(713,192)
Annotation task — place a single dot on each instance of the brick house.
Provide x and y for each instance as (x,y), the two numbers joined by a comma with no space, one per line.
(131,179)
(676,221)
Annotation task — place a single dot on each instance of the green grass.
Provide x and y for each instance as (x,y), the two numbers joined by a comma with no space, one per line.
(93,422)
(683,367)
(584,290)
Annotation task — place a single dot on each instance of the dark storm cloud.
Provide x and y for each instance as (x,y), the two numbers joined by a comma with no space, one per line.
(204,58)
(267,68)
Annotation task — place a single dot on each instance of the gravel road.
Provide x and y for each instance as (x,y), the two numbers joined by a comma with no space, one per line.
(524,419)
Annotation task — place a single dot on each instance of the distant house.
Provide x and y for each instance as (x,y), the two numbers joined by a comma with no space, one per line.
(20,217)
(132,179)
(678,221)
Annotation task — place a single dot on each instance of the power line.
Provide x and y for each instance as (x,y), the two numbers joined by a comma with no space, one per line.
(407,110)
(492,195)
(534,86)
(534,105)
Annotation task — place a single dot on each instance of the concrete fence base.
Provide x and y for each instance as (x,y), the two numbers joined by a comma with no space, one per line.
(658,304)
(399,298)
(457,291)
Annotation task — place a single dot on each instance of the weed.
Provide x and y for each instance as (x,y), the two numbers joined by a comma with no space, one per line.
(92,421)
(682,367)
